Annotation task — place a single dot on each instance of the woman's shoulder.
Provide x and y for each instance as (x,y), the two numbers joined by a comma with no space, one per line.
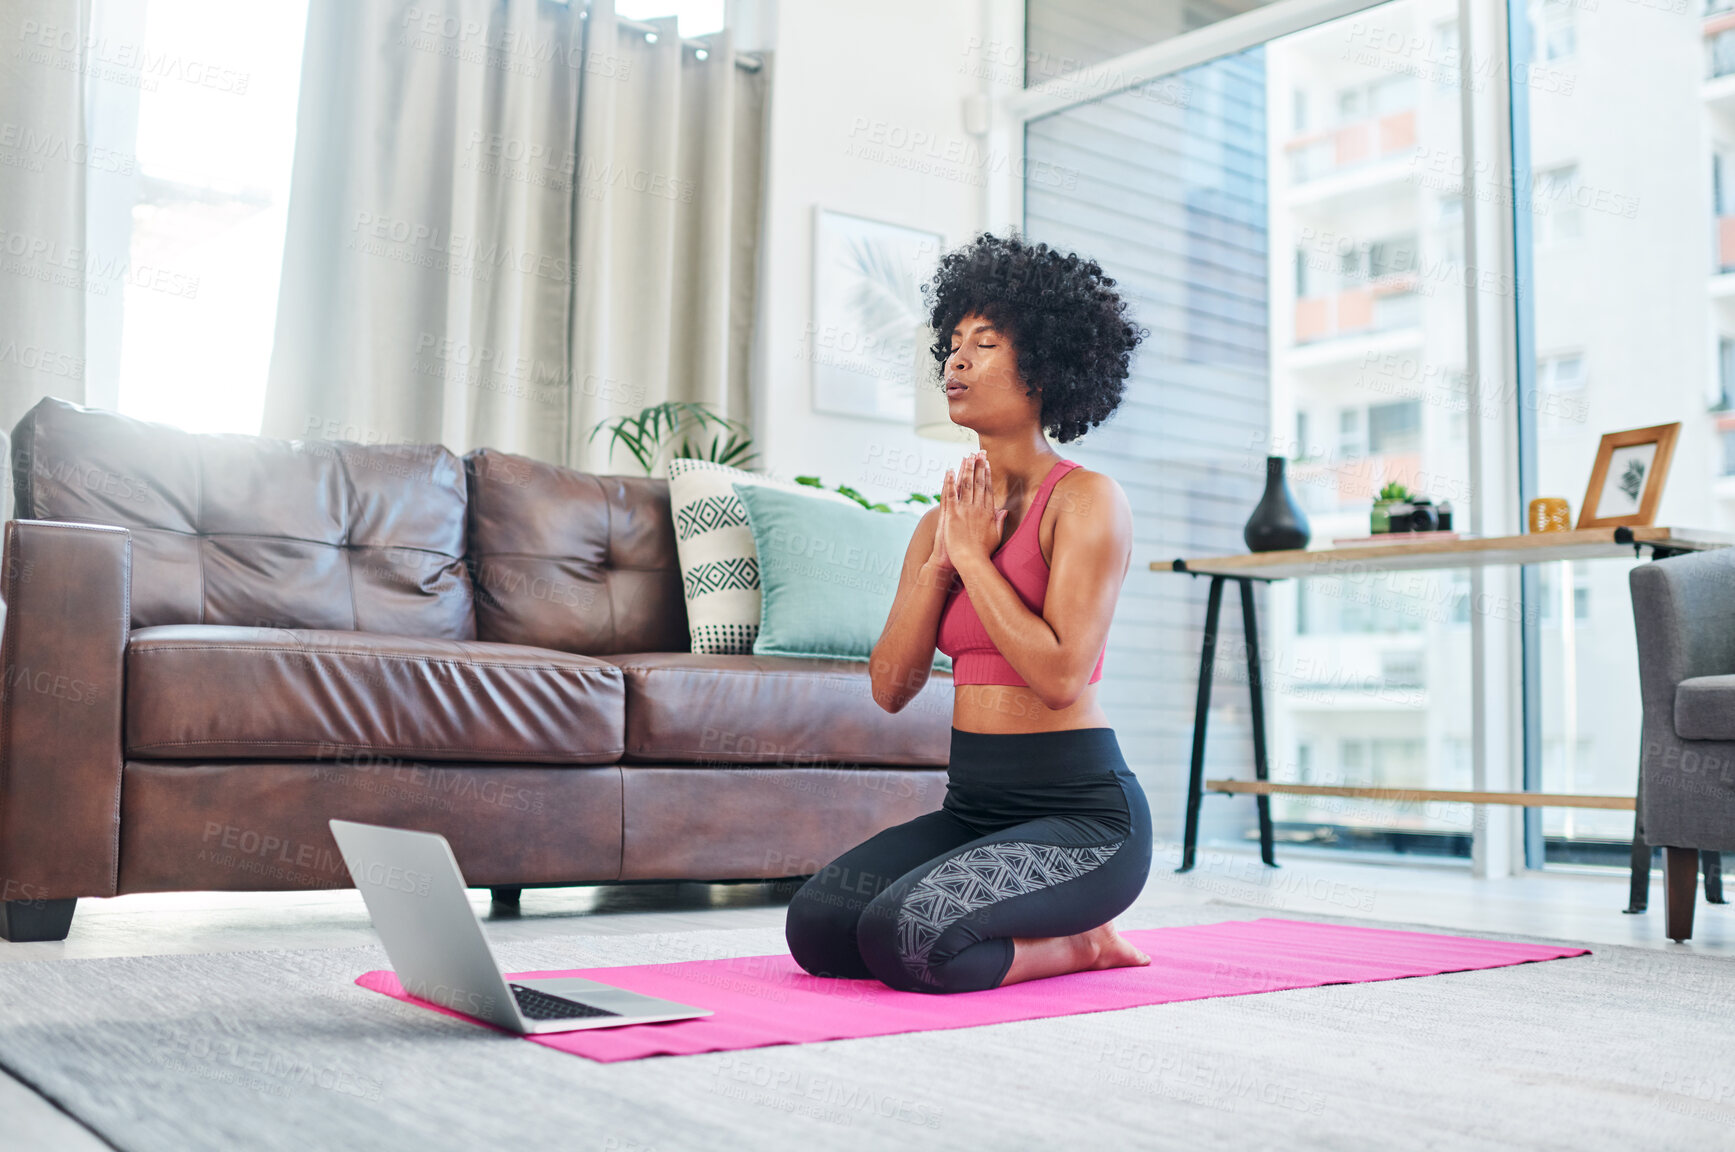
(1083,491)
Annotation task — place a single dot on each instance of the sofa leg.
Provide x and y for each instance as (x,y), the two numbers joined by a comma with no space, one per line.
(1681,881)
(1711,863)
(509,896)
(25,921)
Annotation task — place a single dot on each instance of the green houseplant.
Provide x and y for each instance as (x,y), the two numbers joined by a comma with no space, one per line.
(881,506)
(645,434)
(1380,520)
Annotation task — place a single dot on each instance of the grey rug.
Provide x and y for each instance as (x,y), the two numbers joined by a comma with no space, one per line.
(1625,1048)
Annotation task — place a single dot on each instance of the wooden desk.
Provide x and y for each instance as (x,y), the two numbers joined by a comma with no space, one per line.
(1403,555)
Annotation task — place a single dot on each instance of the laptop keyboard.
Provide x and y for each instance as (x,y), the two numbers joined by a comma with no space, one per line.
(541,1006)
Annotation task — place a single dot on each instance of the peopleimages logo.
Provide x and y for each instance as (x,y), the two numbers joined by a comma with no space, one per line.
(390,876)
(103,54)
(786,543)
(39,359)
(48,683)
(36,255)
(453,245)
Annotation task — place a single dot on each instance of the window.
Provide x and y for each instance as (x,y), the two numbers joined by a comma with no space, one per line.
(1723,396)
(693,17)
(1548,594)
(1723,181)
(1460,598)
(1395,427)
(1554,35)
(188,337)
(1560,393)
(1722,210)
(1383,760)
(1372,260)
(1382,97)
(1554,205)
(1367,606)
(1720,54)
(1402,667)
(1310,278)
(1448,74)
(1349,441)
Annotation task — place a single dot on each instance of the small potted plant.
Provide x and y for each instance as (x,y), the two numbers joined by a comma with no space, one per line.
(916,498)
(1392,502)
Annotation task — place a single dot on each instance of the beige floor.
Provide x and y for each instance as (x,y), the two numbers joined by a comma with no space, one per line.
(1581,905)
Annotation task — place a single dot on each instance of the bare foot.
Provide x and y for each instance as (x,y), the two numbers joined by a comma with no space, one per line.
(1112,949)
(1034,958)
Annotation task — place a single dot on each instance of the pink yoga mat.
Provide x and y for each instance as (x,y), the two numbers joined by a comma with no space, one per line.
(764,1000)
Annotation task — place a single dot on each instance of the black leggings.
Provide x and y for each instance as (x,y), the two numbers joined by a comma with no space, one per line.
(1040,834)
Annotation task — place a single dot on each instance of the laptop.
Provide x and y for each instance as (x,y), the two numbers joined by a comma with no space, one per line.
(415,894)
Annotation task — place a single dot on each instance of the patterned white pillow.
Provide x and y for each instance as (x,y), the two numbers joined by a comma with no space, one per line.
(719,564)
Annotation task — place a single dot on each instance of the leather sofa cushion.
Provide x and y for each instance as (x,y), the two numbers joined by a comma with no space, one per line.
(196,691)
(573,560)
(255,531)
(1705,708)
(794,711)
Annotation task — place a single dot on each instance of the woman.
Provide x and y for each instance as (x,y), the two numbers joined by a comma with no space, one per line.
(1044,835)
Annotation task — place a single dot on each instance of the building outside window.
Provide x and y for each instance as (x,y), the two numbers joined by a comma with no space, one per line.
(1555,34)
(1560,394)
(1555,205)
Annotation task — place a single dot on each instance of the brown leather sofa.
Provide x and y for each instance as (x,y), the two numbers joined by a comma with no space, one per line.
(215,643)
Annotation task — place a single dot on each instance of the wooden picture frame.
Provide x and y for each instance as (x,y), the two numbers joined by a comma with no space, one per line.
(867,301)
(1637,484)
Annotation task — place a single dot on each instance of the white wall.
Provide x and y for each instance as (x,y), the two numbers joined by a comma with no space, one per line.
(846,74)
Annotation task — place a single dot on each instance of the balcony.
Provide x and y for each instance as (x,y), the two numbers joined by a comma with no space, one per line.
(1320,154)
(1725,242)
(1719,33)
(1380,306)
(1332,484)
(1725,423)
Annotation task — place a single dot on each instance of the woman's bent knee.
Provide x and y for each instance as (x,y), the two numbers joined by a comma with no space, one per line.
(908,950)
(884,938)
(820,929)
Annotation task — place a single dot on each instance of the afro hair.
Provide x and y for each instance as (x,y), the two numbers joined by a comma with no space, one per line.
(1069,326)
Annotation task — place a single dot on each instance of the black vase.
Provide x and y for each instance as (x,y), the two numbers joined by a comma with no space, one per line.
(1278,522)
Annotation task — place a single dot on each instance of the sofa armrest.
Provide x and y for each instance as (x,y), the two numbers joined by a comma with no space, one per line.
(1684,622)
(68,591)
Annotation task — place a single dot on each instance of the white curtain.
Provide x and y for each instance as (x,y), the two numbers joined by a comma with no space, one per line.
(509,221)
(42,197)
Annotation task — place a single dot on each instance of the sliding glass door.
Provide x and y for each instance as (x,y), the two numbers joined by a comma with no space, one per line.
(1624,118)
(1289,223)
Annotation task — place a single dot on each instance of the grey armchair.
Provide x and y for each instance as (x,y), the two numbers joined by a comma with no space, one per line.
(1684,619)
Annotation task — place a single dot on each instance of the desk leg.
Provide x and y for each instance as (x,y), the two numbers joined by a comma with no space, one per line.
(1256,693)
(1201,709)
(1639,885)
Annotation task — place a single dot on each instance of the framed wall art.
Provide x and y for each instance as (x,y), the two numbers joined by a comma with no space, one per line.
(867,303)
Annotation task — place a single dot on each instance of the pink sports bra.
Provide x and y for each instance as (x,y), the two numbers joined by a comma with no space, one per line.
(961,635)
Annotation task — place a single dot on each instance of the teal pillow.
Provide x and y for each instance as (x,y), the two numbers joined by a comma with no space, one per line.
(828,573)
